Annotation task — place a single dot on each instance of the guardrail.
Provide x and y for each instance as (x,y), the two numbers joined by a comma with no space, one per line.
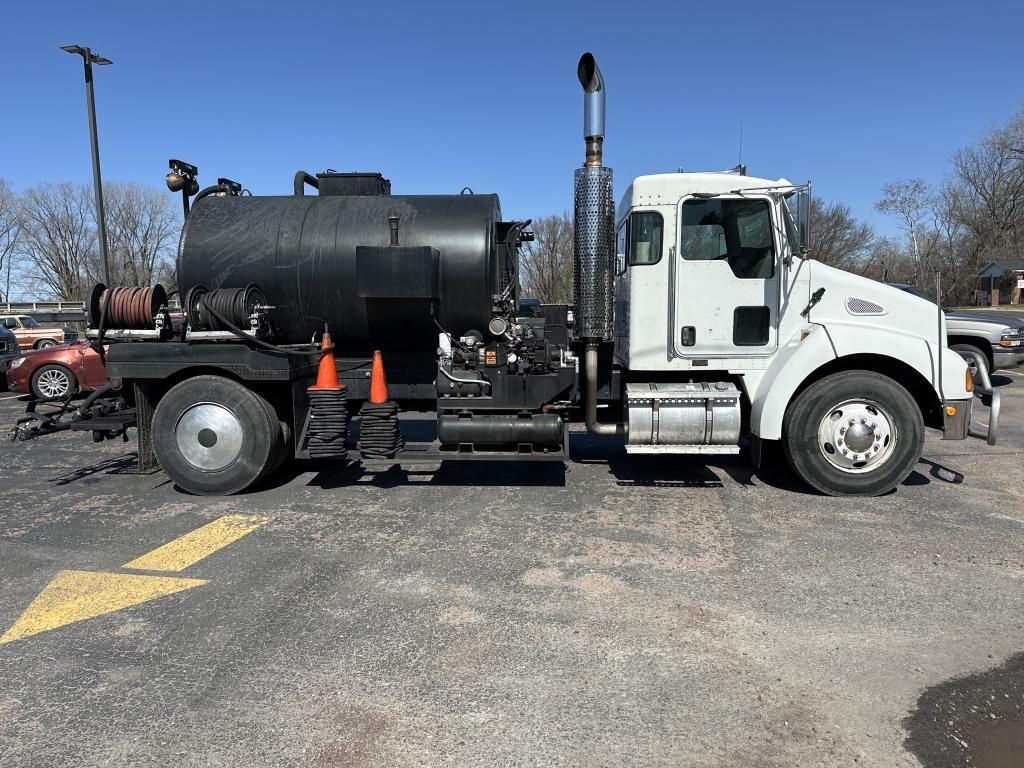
(53,307)
(35,307)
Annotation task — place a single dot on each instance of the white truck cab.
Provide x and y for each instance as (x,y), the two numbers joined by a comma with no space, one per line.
(713,288)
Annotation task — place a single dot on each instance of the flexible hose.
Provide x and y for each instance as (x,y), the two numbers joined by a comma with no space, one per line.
(457,380)
(229,326)
(131,308)
(235,305)
(205,192)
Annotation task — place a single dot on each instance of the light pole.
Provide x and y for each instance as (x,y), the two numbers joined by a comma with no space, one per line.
(91,58)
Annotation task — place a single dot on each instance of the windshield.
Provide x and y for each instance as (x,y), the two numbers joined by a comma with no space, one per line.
(29,322)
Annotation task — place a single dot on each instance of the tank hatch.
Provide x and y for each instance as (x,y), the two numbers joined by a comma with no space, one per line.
(356,184)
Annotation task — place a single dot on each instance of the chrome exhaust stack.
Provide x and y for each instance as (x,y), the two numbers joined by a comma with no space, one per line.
(594,216)
(593,241)
(593,107)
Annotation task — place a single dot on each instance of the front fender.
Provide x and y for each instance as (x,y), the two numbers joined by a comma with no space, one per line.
(798,360)
(853,338)
(803,354)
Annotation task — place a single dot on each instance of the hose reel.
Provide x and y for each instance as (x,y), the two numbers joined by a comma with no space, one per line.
(128,311)
(212,313)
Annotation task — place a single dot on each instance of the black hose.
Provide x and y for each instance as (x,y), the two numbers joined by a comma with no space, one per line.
(229,326)
(93,397)
(206,191)
(234,304)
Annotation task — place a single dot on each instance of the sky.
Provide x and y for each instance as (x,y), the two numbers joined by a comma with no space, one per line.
(438,96)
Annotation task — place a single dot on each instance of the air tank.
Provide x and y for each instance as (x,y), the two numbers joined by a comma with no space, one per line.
(378,268)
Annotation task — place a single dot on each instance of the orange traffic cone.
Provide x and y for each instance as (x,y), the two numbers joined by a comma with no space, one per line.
(378,382)
(327,373)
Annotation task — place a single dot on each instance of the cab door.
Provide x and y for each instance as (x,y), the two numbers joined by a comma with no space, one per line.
(726,277)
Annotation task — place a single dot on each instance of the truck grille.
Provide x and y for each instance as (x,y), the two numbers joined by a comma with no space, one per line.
(70,335)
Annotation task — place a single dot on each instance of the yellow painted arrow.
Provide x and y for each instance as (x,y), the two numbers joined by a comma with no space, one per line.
(78,595)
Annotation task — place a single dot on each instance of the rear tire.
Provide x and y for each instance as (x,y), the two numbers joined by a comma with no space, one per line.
(854,433)
(975,375)
(53,380)
(213,436)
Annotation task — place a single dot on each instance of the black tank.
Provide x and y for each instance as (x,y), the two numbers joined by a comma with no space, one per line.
(332,258)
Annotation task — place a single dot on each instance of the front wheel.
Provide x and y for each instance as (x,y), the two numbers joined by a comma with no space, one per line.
(46,343)
(854,433)
(53,381)
(213,436)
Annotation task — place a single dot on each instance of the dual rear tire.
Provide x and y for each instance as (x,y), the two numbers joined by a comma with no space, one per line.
(214,436)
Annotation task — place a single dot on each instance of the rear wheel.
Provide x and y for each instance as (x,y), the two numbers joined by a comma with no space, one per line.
(854,433)
(53,380)
(215,437)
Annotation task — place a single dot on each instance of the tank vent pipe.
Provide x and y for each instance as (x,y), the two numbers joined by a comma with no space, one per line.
(301,179)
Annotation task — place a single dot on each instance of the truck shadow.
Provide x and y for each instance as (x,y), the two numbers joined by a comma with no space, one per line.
(448,473)
(125,464)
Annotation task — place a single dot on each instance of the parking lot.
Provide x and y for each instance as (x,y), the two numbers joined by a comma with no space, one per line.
(615,612)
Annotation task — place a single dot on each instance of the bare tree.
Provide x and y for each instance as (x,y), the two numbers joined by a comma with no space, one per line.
(546,263)
(837,238)
(991,177)
(58,238)
(909,199)
(10,229)
(142,227)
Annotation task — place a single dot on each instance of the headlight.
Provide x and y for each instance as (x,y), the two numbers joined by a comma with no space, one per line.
(1011,337)
(16,362)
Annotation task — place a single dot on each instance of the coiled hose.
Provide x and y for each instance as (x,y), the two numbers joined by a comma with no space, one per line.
(128,308)
(220,309)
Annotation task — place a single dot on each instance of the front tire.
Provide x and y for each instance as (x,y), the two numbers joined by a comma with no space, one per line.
(215,437)
(854,433)
(53,381)
(46,343)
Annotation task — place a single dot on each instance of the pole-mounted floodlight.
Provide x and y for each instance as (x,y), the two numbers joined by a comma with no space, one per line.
(89,58)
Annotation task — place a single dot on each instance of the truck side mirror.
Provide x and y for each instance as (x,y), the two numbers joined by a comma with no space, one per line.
(803,217)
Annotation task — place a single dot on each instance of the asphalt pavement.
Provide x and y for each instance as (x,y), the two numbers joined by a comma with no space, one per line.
(657,611)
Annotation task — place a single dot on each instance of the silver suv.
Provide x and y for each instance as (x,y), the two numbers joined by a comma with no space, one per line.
(997,338)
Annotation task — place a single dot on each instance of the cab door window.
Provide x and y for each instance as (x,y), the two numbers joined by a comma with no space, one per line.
(736,231)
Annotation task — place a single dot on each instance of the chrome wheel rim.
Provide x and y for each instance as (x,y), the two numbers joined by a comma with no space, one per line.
(53,383)
(208,436)
(47,344)
(857,436)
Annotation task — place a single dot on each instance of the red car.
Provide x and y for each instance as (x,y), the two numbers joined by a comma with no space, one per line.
(57,371)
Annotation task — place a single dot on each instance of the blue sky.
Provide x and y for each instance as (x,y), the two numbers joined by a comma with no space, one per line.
(439,96)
